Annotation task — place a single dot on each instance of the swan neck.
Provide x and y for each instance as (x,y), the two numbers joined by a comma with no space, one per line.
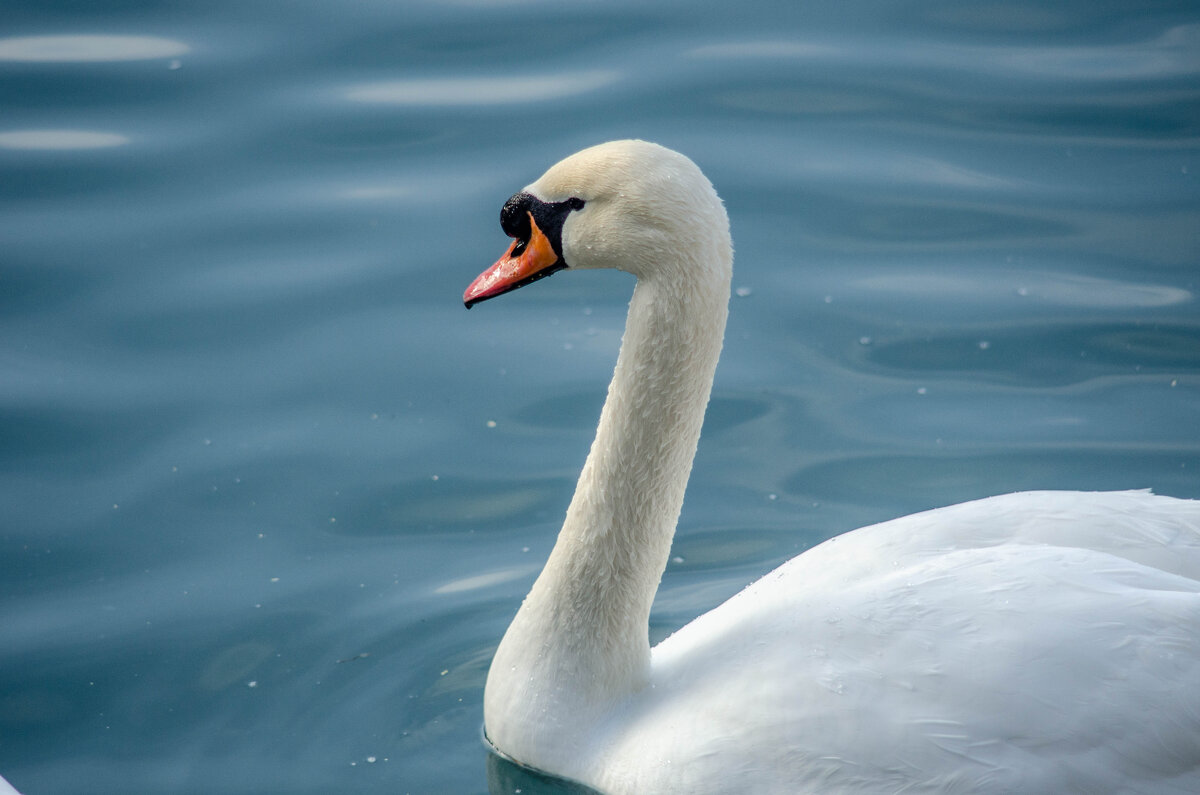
(616,538)
(580,641)
(631,489)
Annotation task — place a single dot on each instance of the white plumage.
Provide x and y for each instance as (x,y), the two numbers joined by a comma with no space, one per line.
(1033,642)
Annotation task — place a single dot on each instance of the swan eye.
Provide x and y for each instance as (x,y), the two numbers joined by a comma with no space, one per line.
(575,203)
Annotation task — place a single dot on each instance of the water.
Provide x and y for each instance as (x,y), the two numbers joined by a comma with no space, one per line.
(271,496)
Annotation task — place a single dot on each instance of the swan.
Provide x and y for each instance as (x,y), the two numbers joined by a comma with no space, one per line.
(1031,642)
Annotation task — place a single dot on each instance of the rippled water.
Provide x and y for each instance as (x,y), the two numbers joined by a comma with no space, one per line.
(271,496)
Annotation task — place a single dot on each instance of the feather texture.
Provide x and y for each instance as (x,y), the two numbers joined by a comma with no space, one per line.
(1032,642)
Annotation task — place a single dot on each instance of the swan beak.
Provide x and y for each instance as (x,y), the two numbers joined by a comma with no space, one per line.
(525,261)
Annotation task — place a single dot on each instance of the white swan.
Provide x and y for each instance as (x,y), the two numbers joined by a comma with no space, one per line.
(1035,642)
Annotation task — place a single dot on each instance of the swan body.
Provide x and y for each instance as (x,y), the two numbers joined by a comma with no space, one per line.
(1032,642)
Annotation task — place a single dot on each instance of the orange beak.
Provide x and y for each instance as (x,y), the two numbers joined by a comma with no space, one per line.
(525,261)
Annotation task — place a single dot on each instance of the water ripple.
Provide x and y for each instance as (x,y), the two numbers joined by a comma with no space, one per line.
(88,48)
(1168,55)
(480,91)
(1062,289)
(60,139)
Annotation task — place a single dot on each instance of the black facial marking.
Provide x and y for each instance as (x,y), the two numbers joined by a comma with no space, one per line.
(514,216)
(549,216)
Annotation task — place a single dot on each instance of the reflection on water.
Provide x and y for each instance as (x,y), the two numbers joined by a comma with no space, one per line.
(272,495)
(481,90)
(1008,287)
(60,139)
(505,777)
(88,48)
(1169,54)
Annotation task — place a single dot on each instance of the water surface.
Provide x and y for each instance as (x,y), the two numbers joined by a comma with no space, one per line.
(271,496)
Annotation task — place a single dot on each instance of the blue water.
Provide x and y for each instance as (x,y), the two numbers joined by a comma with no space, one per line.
(270,495)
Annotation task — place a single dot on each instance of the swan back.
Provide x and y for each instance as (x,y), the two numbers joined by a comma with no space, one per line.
(1032,642)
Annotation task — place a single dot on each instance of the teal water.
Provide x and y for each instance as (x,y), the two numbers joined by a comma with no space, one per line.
(270,495)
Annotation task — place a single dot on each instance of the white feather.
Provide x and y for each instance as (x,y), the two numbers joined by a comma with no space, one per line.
(1033,642)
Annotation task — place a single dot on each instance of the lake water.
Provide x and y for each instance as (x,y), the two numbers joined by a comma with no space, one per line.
(270,495)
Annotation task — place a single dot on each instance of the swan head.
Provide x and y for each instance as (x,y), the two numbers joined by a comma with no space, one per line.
(630,205)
